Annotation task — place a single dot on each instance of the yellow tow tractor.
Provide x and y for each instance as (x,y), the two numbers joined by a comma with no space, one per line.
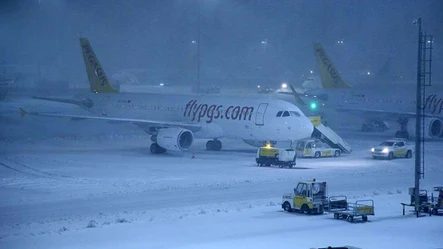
(267,156)
(309,197)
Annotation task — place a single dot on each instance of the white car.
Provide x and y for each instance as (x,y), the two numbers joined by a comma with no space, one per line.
(392,148)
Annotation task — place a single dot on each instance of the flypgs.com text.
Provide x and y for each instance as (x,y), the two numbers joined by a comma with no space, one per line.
(198,112)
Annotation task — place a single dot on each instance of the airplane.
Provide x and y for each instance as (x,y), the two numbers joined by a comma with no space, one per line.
(387,104)
(173,121)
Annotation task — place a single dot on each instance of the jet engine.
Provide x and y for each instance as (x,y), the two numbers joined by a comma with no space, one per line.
(175,139)
(433,127)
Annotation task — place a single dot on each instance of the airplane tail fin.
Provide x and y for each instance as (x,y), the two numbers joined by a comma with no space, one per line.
(330,78)
(98,80)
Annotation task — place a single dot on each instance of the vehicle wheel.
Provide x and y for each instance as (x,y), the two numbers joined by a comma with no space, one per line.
(305,209)
(320,210)
(287,207)
(350,218)
(336,216)
(153,148)
(337,153)
(374,157)
(391,155)
(409,154)
(434,211)
(156,149)
(365,218)
(317,154)
(210,145)
(217,145)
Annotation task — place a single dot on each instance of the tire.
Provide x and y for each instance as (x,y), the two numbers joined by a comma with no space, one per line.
(336,216)
(390,156)
(337,153)
(320,210)
(210,145)
(305,209)
(287,207)
(156,149)
(153,148)
(365,218)
(350,218)
(317,154)
(409,154)
(217,145)
(434,211)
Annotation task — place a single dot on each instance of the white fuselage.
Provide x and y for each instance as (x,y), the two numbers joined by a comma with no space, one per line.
(231,117)
(390,100)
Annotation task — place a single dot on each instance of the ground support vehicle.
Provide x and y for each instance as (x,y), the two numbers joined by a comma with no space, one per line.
(424,201)
(267,156)
(309,197)
(315,148)
(393,148)
(437,202)
(343,209)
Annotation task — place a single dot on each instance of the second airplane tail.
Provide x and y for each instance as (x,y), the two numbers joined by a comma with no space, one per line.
(330,78)
(98,80)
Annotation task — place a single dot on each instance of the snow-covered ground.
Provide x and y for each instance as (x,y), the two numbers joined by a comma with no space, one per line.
(87,184)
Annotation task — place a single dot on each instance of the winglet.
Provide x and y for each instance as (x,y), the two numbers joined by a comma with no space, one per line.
(330,78)
(98,80)
(23,112)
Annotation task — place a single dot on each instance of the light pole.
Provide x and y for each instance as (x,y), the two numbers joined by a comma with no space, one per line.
(198,46)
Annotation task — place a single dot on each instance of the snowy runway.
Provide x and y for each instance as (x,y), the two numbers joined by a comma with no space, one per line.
(110,192)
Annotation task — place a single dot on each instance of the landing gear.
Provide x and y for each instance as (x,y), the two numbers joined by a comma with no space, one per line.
(214,145)
(156,149)
(374,126)
(403,132)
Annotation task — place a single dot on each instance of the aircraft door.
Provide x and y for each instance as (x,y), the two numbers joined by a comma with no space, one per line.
(104,104)
(260,115)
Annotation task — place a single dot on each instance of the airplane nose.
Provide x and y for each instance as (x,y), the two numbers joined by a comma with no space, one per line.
(306,128)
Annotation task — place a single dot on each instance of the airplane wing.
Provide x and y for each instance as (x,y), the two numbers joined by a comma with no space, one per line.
(142,123)
(380,113)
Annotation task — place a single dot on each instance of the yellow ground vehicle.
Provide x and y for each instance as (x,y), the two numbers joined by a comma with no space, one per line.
(275,156)
(309,197)
(315,148)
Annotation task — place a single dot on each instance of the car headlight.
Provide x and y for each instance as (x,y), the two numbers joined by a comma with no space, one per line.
(385,150)
(372,150)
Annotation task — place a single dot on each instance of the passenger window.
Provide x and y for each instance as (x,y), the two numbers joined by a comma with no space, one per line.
(286,114)
(400,144)
(279,113)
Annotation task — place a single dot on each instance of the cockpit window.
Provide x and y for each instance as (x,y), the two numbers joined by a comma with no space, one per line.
(295,114)
(279,113)
(285,114)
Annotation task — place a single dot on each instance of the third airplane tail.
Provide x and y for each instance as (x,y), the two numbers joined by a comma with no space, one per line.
(98,80)
(330,78)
